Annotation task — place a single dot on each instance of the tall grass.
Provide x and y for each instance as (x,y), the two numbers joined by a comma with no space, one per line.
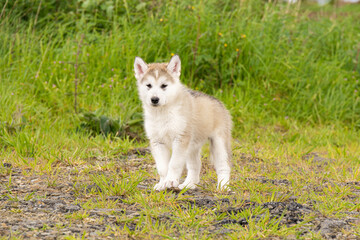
(267,62)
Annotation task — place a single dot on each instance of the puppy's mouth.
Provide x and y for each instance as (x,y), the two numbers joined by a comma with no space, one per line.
(155,104)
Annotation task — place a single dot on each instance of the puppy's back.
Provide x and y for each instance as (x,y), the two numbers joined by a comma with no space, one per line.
(210,114)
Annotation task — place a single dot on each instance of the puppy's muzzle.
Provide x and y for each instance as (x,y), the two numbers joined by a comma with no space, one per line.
(155,101)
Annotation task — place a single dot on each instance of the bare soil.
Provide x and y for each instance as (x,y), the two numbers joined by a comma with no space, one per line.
(40,206)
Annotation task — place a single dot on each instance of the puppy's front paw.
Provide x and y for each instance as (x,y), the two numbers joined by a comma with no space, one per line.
(171,183)
(159,186)
(162,185)
(188,185)
(223,188)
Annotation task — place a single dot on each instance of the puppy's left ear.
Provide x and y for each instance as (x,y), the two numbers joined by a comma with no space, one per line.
(140,68)
(174,66)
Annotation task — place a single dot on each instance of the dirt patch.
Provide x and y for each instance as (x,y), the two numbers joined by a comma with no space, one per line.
(37,206)
(334,228)
(316,158)
(285,213)
(272,181)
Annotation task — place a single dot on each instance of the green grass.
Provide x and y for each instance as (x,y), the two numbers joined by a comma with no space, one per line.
(288,74)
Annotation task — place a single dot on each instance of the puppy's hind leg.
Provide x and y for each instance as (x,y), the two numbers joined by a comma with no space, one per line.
(220,156)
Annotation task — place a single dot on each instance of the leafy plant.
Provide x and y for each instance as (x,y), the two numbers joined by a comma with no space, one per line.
(104,125)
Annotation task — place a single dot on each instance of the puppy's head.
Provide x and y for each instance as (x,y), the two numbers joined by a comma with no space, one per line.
(158,83)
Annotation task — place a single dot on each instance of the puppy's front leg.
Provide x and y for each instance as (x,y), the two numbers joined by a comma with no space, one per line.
(177,163)
(161,153)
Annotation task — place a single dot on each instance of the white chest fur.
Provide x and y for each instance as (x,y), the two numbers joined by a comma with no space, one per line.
(164,125)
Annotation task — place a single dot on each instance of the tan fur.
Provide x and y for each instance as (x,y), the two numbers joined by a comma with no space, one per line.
(156,69)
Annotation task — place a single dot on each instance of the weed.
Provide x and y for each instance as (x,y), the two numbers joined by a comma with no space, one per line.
(123,184)
(79,215)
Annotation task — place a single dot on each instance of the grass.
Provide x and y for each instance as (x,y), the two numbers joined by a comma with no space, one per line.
(288,74)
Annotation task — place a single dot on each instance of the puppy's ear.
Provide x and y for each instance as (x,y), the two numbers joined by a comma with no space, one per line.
(140,68)
(174,66)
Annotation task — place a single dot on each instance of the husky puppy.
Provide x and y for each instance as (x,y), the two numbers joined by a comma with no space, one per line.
(178,121)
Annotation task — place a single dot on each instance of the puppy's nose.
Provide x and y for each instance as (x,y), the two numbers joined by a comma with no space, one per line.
(154,100)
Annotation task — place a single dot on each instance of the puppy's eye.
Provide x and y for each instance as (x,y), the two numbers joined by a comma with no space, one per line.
(149,85)
(163,86)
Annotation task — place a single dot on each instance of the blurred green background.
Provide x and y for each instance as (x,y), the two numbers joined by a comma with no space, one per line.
(270,62)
